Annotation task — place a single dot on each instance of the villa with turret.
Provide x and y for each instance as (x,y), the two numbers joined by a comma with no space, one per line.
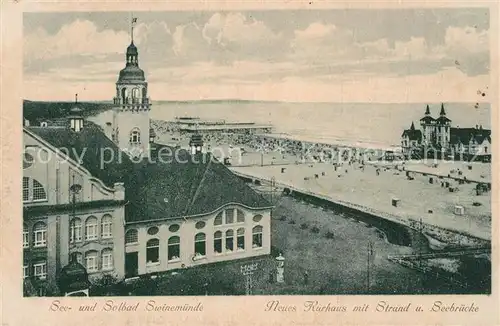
(438,136)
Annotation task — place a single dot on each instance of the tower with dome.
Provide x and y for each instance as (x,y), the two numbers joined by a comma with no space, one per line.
(132,105)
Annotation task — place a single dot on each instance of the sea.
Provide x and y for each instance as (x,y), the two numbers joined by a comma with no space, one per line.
(374,124)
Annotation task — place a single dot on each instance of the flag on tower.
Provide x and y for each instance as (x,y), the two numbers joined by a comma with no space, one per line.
(134,20)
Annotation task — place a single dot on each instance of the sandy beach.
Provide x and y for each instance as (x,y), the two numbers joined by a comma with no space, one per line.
(364,187)
(373,184)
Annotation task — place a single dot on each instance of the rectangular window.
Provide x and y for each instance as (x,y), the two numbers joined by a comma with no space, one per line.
(26,271)
(26,189)
(91,232)
(40,238)
(26,241)
(107,261)
(40,270)
(91,263)
(106,230)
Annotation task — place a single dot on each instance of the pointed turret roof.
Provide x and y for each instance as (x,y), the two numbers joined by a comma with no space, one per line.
(427,110)
(412,127)
(443,112)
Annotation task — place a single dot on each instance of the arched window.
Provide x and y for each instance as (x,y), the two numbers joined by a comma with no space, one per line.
(174,248)
(199,244)
(135,136)
(40,234)
(218,242)
(106,226)
(152,251)
(229,215)
(26,238)
(131,236)
(257,237)
(229,240)
(75,230)
(257,218)
(218,219)
(33,190)
(240,239)
(91,228)
(107,259)
(91,263)
(240,216)
(136,93)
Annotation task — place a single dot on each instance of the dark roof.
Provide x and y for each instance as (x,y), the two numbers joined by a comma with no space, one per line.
(179,185)
(442,120)
(132,49)
(464,135)
(94,148)
(412,134)
(185,186)
(427,119)
(427,110)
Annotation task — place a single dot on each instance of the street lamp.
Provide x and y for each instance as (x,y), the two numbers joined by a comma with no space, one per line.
(280,275)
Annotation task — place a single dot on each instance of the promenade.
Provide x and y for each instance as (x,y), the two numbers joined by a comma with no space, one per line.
(358,186)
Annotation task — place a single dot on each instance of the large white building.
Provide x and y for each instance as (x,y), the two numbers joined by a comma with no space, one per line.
(172,209)
(439,135)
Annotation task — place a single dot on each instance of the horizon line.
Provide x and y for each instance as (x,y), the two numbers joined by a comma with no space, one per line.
(255,100)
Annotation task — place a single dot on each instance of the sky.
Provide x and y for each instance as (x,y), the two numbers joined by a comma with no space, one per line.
(383,56)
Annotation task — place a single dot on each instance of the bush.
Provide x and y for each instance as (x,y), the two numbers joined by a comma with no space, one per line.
(283,218)
(329,235)
(315,229)
(291,222)
(304,226)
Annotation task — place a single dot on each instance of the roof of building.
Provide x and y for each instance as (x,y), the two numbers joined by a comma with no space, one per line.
(464,135)
(428,119)
(92,147)
(412,134)
(131,74)
(179,185)
(132,49)
(442,120)
(183,186)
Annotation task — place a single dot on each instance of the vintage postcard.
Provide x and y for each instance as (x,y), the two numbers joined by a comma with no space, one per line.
(225,163)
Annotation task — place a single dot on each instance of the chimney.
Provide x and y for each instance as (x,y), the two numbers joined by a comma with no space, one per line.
(119,190)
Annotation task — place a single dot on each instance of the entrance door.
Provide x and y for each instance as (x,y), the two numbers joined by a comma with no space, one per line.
(131,264)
